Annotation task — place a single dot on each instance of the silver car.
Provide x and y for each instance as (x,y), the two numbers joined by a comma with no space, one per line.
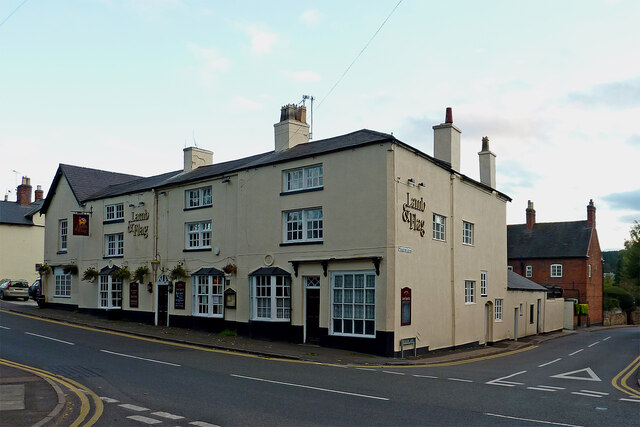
(14,289)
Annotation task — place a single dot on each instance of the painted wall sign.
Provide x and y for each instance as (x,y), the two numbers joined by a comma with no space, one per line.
(406,306)
(180,292)
(133,295)
(415,223)
(80,225)
(138,229)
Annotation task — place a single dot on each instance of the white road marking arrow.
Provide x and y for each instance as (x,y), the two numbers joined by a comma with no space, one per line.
(570,375)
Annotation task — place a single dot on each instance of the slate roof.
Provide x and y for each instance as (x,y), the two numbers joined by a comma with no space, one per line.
(92,184)
(516,282)
(549,240)
(13,213)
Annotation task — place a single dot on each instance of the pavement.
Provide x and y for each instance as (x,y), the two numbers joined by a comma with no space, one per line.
(40,399)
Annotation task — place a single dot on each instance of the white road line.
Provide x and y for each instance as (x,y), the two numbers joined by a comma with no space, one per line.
(576,352)
(109,400)
(500,381)
(460,379)
(630,400)
(133,407)
(139,358)
(586,394)
(394,373)
(310,387)
(592,344)
(606,338)
(167,415)
(4,327)
(551,387)
(541,389)
(366,369)
(549,363)
(145,420)
(49,338)
(595,392)
(424,376)
(202,424)
(530,420)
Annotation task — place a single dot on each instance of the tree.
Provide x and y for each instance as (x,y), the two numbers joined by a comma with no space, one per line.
(630,265)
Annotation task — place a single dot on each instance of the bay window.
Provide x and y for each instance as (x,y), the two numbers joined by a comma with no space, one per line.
(271,297)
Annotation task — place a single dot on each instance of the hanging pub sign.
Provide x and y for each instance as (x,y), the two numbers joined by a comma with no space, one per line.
(406,306)
(80,224)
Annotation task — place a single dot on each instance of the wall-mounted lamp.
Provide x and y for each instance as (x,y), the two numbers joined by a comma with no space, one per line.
(421,184)
(140,203)
(226,180)
(131,205)
(412,181)
(150,287)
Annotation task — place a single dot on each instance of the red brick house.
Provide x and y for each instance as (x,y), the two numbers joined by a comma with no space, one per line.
(564,254)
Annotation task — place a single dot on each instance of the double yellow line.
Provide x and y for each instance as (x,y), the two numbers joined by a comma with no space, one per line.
(620,380)
(78,389)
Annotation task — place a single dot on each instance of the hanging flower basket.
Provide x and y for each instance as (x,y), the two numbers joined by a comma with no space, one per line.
(90,274)
(70,269)
(44,269)
(122,274)
(140,272)
(178,272)
(230,269)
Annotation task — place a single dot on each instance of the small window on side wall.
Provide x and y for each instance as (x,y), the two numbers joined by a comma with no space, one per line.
(406,306)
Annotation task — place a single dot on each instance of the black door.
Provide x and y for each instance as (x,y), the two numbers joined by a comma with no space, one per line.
(313,315)
(163,305)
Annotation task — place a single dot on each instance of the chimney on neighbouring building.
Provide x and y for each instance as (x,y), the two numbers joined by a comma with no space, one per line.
(531,215)
(446,141)
(591,214)
(195,157)
(39,193)
(487,164)
(292,128)
(24,192)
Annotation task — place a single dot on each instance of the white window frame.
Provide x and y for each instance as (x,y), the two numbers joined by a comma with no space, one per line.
(483,283)
(353,304)
(300,225)
(305,178)
(198,235)
(198,197)
(556,270)
(271,298)
(439,227)
(109,292)
(114,212)
(208,296)
(63,228)
(469,292)
(62,287)
(528,271)
(117,249)
(467,233)
(498,310)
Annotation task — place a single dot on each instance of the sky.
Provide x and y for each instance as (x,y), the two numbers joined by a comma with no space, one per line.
(125,85)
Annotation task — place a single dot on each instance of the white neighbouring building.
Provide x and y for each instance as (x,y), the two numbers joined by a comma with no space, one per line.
(357,241)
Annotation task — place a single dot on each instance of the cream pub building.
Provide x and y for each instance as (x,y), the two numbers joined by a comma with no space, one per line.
(358,241)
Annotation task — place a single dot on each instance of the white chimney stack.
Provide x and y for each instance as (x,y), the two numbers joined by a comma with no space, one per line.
(446,142)
(195,157)
(487,164)
(292,128)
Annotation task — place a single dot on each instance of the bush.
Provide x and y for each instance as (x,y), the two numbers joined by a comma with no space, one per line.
(611,304)
(625,299)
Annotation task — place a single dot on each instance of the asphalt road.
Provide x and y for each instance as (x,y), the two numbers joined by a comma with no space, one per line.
(565,381)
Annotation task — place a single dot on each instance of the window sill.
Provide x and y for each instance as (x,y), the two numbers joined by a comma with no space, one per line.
(62,296)
(470,303)
(195,208)
(498,320)
(304,190)
(271,320)
(468,244)
(61,252)
(113,221)
(312,242)
(197,250)
(212,316)
(336,334)
(440,240)
(483,295)
(112,256)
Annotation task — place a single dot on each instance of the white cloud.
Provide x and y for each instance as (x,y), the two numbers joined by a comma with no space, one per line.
(241,103)
(306,76)
(262,40)
(212,62)
(311,17)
